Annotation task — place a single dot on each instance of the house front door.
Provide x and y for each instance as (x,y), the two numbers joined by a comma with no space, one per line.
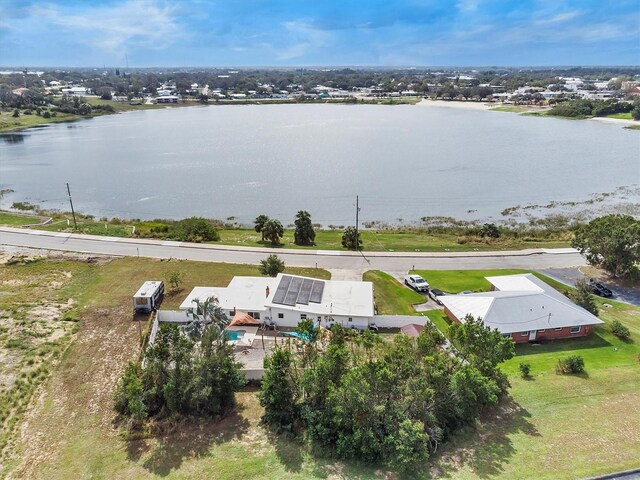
(532,335)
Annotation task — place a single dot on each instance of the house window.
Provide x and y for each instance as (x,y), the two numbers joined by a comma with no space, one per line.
(506,335)
(255,315)
(231,313)
(575,329)
(540,331)
(524,334)
(558,329)
(350,319)
(303,316)
(281,315)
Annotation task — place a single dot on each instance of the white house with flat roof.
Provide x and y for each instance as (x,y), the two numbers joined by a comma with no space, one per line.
(287,299)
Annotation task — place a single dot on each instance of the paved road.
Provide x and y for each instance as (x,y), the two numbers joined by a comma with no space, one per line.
(388,261)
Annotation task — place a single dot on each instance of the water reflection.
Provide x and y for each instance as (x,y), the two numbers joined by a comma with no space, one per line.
(12,137)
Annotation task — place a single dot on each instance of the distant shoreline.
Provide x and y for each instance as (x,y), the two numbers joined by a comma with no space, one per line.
(423,102)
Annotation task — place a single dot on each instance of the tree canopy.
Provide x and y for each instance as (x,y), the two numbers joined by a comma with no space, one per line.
(304,233)
(259,223)
(271,266)
(351,239)
(382,402)
(179,378)
(273,231)
(194,229)
(582,296)
(611,242)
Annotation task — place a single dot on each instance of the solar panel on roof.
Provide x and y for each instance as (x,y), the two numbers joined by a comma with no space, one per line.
(316,291)
(305,291)
(281,291)
(294,290)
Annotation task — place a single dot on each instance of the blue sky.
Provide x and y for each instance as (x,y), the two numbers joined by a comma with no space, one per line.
(79,33)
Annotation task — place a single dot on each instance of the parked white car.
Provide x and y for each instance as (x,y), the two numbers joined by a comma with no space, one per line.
(416,282)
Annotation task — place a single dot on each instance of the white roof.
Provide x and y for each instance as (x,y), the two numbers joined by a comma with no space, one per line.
(148,289)
(520,303)
(345,298)
(243,293)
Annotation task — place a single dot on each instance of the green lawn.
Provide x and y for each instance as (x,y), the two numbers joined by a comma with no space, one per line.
(560,419)
(514,108)
(9,123)
(393,240)
(410,240)
(12,220)
(621,116)
(391,296)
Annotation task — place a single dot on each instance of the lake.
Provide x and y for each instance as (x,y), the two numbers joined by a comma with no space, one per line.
(404,162)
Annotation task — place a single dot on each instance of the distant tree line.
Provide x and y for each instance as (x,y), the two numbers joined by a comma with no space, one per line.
(587,108)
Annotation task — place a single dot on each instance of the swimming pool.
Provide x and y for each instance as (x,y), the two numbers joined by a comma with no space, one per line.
(233,335)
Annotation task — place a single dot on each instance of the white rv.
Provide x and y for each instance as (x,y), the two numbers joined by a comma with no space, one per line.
(148,296)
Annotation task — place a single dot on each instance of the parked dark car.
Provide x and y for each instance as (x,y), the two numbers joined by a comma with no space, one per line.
(600,289)
(434,293)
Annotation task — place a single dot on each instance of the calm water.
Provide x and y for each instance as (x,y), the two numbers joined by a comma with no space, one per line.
(403,161)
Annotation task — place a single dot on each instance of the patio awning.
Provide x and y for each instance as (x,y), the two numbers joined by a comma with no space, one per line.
(242,318)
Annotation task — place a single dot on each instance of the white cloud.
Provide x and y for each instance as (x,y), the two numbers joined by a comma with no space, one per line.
(300,37)
(559,18)
(114,28)
(467,6)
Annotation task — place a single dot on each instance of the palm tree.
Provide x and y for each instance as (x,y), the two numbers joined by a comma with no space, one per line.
(207,315)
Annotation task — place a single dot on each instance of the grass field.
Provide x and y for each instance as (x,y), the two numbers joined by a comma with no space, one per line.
(392,297)
(392,240)
(515,108)
(621,116)
(17,220)
(9,123)
(552,427)
(410,240)
(456,281)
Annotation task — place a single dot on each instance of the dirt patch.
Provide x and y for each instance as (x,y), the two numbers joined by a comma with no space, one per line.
(82,390)
(7,252)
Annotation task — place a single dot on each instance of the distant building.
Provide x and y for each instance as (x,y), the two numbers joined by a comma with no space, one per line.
(75,91)
(168,99)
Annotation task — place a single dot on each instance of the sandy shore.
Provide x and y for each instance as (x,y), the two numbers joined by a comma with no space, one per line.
(470,105)
(616,121)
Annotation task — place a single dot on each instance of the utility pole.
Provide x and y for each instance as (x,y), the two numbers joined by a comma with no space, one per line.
(357,212)
(75,224)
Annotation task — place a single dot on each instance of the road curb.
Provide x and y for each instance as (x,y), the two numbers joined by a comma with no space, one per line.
(290,251)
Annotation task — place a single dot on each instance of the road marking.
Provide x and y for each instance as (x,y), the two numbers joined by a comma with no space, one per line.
(328,252)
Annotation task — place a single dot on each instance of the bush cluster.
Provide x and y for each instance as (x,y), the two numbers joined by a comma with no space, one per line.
(382,402)
(570,365)
(180,379)
(620,330)
(585,108)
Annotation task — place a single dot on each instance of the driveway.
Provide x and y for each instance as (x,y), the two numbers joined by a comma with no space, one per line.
(570,275)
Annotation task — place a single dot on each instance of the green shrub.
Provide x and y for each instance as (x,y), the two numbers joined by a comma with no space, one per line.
(194,229)
(620,330)
(570,364)
(525,370)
